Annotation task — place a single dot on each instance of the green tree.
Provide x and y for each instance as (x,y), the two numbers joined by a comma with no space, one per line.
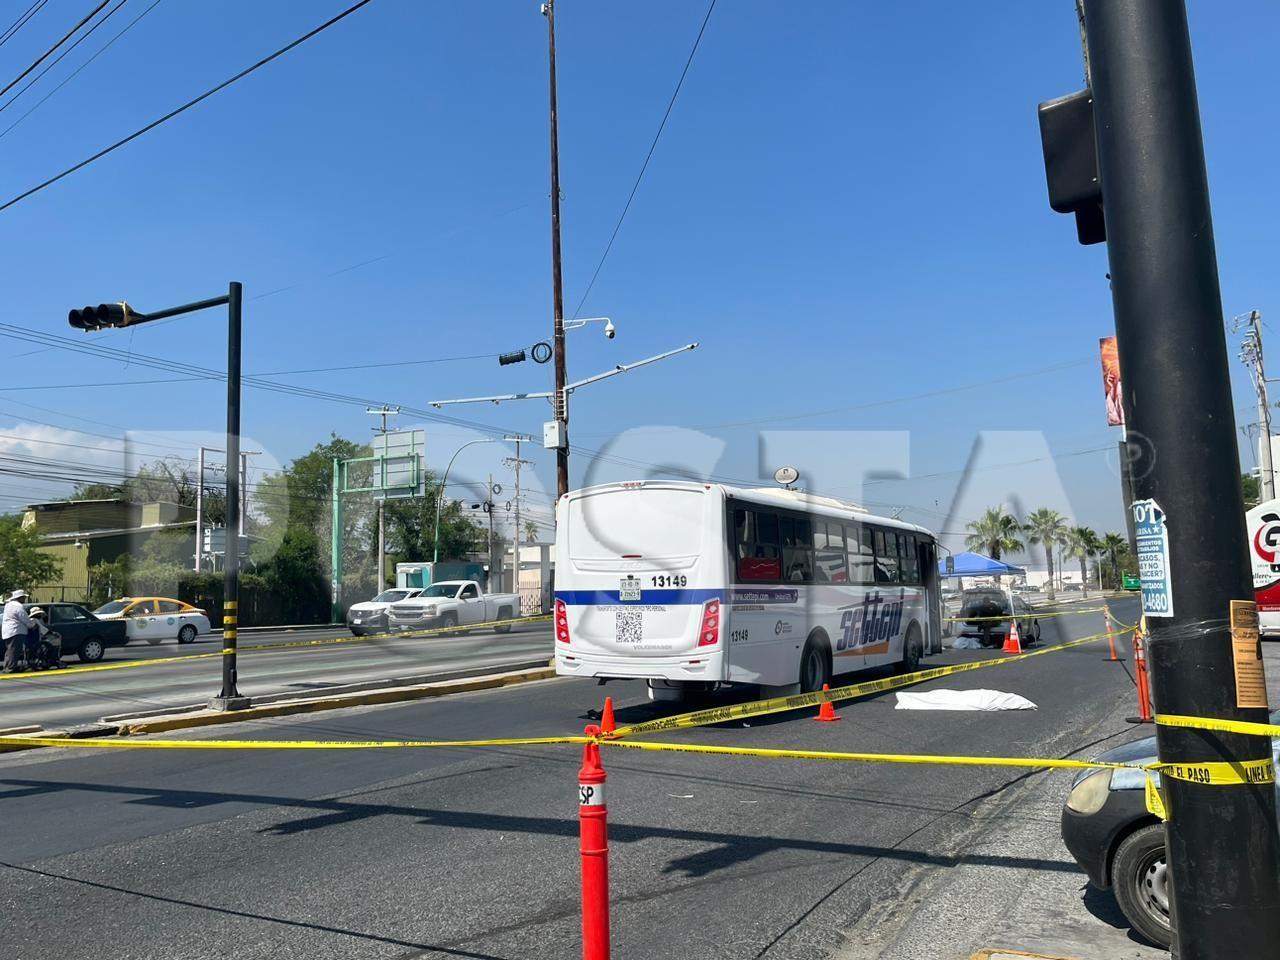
(1115,548)
(411,527)
(1251,487)
(994,534)
(1048,528)
(531,531)
(22,563)
(1083,544)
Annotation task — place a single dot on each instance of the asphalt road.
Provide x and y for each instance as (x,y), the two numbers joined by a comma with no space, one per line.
(65,697)
(472,853)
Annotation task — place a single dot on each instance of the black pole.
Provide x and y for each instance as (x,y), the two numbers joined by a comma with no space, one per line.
(560,402)
(1223,848)
(231,566)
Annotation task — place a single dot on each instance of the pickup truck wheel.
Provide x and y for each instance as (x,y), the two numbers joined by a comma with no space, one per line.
(91,650)
(449,621)
(503,614)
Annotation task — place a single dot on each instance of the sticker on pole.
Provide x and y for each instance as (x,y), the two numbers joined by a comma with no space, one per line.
(1152,535)
(591,794)
(1246,654)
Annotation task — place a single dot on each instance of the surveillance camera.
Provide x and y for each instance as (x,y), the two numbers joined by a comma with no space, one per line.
(610,330)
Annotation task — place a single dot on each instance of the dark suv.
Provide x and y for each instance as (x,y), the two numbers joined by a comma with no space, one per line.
(82,633)
(981,608)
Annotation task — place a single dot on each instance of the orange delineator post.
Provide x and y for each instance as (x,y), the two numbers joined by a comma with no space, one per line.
(1111,636)
(593,845)
(1140,677)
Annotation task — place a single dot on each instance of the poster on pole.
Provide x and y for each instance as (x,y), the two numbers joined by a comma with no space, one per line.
(1153,558)
(1110,353)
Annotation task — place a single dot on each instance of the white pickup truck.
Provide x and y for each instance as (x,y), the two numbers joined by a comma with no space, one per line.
(452,603)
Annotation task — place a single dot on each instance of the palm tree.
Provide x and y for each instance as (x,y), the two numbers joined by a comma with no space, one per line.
(995,533)
(1047,527)
(1113,544)
(1083,544)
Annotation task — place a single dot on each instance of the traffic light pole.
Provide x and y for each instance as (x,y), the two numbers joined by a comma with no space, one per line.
(1223,850)
(230,697)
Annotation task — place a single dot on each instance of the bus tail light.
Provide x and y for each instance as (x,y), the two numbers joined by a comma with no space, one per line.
(709,634)
(562,621)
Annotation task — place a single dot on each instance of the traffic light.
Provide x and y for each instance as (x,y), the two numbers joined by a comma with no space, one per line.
(1071,162)
(104,315)
(516,356)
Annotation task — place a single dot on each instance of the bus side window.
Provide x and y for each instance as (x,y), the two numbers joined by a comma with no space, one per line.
(886,557)
(861,563)
(756,536)
(828,551)
(908,558)
(797,552)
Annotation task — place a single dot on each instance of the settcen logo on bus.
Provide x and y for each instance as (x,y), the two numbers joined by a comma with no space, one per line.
(1266,541)
(875,620)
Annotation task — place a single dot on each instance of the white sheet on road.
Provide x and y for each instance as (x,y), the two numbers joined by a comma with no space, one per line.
(963,700)
(966,643)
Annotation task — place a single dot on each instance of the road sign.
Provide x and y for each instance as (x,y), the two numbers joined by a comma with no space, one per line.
(1153,558)
(397,465)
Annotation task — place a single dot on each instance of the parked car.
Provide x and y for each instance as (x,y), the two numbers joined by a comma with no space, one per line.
(83,634)
(1106,827)
(452,603)
(980,606)
(371,615)
(156,618)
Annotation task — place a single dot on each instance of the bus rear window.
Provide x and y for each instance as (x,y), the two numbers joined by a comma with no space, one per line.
(650,523)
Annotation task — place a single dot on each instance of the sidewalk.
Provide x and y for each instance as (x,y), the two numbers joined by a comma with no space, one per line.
(987,908)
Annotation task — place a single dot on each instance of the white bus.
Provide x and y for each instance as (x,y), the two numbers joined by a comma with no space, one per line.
(690,585)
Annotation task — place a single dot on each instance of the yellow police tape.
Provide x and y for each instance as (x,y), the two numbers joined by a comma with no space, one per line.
(21,740)
(701,718)
(291,644)
(1224,726)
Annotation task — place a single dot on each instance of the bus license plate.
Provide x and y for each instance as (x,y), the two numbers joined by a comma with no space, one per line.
(629,589)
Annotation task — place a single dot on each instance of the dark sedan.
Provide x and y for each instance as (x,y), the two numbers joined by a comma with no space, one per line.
(982,607)
(82,633)
(1106,827)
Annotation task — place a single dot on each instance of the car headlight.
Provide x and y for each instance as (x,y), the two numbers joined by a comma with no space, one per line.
(1090,794)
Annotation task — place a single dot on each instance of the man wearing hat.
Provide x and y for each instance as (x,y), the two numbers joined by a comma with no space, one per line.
(14,629)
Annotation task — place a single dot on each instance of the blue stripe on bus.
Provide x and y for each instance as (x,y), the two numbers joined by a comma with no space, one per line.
(612,597)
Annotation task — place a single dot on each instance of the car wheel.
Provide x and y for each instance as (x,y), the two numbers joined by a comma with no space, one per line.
(187,634)
(91,650)
(1140,878)
(815,666)
(153,638)
(912,651)
(503,614)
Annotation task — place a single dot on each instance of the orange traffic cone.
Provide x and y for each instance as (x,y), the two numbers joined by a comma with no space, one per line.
(1013,642)
(1111,635)
(607,725)
(826,712)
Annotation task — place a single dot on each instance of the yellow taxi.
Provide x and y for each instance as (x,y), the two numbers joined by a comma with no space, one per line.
(154,619)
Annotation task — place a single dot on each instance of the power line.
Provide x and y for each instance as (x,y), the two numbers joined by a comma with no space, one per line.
(87,17)
(182,109)
(648,156)
(74,73)
(21,21)
(56,60)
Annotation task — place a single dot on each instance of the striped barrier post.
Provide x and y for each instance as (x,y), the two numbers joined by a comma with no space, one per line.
(593,845)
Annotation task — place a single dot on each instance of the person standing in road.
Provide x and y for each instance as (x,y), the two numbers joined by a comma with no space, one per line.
(14,630)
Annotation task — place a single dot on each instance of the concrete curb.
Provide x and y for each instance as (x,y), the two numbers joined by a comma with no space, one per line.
(206,718)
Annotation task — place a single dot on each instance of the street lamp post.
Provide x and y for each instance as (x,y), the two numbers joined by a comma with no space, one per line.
(435,553)
(119,315)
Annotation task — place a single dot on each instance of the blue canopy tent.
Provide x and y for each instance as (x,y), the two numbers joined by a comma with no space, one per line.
(975,565)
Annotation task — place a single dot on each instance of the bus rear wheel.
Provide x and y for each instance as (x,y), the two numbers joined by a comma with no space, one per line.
(815,666)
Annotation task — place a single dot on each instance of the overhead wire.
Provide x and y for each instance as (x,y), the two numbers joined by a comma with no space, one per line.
(76,72)
(56,60)
(44,56)
(648,156)
(179,110)
(21,22)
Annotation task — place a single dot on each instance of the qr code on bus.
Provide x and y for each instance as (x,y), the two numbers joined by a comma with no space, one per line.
(629,626)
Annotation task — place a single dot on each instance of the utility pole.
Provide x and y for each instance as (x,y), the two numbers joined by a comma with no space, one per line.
(516,462)
(383,411)
(1251,354)
(229,698)
(1223,850)
(560,399)
(244,496)
(488,506)
(199,508)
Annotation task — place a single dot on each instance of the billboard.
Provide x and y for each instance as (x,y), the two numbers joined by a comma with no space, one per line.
(1111,380)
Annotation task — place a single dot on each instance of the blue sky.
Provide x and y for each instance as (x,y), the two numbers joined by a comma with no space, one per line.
(847,208)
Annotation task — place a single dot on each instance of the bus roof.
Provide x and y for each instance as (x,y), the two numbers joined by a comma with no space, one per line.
(765,496)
